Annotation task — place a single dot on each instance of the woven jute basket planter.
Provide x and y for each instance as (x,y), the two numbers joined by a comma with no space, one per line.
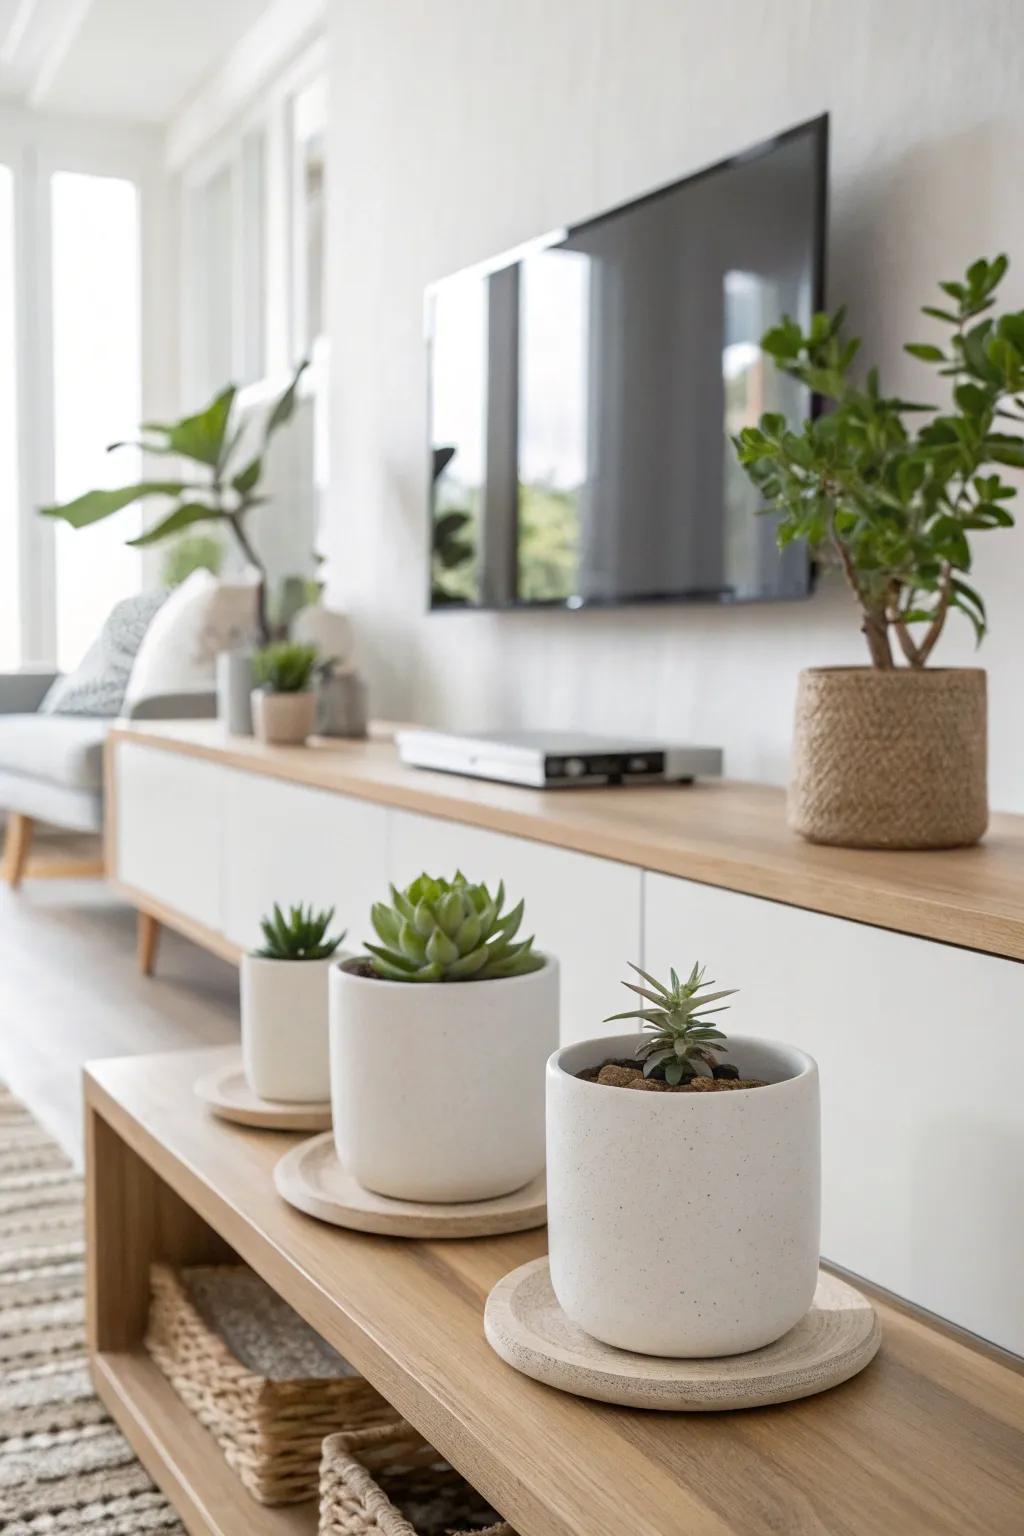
(890,759)
(389,1481)
(223,1339)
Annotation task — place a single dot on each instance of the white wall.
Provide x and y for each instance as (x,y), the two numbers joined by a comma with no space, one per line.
(460,127)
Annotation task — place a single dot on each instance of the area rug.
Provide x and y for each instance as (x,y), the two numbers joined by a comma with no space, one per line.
(65,1469)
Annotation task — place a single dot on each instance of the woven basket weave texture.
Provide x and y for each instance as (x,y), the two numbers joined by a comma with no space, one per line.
(389,1481)
(269,1427)
(890,759)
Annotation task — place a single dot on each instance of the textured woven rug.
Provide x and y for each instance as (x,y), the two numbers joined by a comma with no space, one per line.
(64,1467)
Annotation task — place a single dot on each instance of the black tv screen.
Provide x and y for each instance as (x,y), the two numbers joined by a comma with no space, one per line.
(584,389)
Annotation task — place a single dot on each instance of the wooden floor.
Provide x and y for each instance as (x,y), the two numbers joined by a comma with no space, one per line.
(70,992)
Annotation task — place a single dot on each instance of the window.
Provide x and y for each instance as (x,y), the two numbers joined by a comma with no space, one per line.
(96,393)
(10,544)
(307,203)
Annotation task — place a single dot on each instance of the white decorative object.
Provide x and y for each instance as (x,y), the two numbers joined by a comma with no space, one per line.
(234,691)
(200,619)
(437,1088)
(835,1339)
(285,1048)
(684,1224)
(284,719)
(327,629)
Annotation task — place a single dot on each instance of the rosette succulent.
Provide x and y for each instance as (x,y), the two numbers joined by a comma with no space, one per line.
(301,935)
(449,930)
(681,1042)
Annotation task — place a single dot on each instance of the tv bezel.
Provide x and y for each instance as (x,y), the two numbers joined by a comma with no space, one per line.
(818,129)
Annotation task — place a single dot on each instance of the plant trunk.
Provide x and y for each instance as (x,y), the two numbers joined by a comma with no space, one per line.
(875,629)
(254,560)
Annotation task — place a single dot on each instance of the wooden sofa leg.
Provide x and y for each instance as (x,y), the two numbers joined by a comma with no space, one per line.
(17,844)
(147,937)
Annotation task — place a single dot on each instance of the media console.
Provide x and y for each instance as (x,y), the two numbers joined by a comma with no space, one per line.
(900,972)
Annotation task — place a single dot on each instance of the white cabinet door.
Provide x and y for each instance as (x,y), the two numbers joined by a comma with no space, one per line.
(288,843)
(169,829)
(585,911)
(921,1050)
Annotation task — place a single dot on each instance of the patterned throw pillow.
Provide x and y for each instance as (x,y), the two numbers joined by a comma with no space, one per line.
(97,685)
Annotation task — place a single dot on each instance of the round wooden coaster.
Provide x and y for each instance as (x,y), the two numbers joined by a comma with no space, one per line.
(311,1178)
(526,1326)
(226,1094)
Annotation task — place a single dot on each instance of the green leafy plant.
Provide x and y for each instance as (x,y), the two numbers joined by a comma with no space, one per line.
(284,667)
(301,935)
(681,1042)
(449,930)
(191,552)
(893,506)
(226,492)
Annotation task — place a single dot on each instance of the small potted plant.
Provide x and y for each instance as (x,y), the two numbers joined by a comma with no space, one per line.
(439,1035)
(683,1187)
(894,755)
(284,700)
(284,988)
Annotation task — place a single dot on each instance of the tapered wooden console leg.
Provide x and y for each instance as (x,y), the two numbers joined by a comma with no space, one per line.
(17,843)
(147,942)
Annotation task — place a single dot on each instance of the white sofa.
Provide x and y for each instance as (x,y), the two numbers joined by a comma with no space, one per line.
(51,766)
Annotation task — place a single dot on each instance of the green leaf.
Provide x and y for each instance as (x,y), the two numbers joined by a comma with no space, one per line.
(96,505)
(248,478)
(925,352)
(285,406)
(200,437)
(940,314)
(182,517)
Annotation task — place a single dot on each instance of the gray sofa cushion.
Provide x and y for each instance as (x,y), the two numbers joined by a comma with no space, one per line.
(97,685)
(63,749)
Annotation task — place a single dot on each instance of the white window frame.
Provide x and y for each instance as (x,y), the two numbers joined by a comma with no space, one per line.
(274,313)
(34,146)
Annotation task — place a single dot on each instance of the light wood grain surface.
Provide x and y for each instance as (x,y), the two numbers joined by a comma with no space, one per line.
(726,834)
(927,1441)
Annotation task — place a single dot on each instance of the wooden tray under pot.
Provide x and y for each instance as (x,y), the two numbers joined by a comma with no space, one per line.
(256,1376)
(389,1481)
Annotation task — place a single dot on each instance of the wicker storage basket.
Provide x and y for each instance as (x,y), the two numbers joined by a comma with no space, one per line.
(890,759)
(256,1376)
(389,1481)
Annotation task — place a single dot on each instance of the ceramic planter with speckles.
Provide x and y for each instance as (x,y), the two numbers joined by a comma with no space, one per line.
(684,1224)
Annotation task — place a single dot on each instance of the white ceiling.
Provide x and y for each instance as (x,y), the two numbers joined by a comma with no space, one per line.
(136,60)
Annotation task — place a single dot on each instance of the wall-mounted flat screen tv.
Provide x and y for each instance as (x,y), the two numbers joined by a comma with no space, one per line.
(585,387)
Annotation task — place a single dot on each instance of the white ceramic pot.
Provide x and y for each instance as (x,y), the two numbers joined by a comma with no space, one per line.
(437,1088)
(285,719)
(684,1224)
(285,1049)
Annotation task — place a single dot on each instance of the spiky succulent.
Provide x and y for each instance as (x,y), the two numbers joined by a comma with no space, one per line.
(681,1041)
(449,930)
(301,935)
(284,667)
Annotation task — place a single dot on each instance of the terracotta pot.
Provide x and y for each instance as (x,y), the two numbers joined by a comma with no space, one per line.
(283,718)
(890,759)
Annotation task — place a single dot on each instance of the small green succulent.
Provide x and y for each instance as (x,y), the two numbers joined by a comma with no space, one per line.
(449,930)
(302,935)
(681,1040)
(284,667)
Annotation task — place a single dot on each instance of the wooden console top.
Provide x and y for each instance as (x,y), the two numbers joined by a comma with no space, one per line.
(927,1441)
(725,834)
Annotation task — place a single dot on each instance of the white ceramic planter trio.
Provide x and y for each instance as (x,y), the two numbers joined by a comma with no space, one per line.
(678,1224)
